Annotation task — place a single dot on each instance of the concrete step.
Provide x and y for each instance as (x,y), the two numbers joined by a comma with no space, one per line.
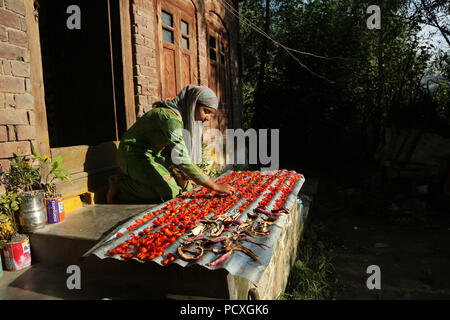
(63,244)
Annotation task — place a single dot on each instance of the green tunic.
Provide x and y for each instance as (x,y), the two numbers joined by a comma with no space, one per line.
(144,155)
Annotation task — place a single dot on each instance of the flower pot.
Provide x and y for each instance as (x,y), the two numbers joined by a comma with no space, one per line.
(17,253)
(32,211)
(55,209)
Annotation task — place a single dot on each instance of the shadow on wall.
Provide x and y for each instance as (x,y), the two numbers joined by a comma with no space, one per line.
(89,167)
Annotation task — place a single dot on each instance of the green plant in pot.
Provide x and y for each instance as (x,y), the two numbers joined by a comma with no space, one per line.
(51,171)
(14,246)
(23,179)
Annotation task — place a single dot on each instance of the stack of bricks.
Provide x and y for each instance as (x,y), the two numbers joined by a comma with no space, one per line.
(144,48)
(17,129)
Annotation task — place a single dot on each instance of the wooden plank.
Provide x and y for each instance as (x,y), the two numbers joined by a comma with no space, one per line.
(186,64)
(36,77)
(169,81)
(127,61)
(84,158)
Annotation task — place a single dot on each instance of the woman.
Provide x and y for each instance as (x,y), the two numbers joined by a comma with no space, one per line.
(153,158)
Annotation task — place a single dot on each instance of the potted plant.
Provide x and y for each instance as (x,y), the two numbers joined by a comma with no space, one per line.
(15,246)
(23,179)
(50,171)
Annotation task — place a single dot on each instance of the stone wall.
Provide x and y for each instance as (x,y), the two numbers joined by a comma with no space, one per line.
(17,118)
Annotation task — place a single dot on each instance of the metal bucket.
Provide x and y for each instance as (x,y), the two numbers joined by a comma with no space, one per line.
(32,211)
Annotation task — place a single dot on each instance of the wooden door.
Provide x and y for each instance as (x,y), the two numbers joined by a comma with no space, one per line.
(219,72)
(177,42)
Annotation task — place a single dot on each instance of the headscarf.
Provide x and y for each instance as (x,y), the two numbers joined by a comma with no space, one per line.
(184,105)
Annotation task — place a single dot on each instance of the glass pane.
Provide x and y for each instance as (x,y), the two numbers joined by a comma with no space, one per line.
(222,59)
(184,27)
(167,19)
(222,47)
(212,42)
(212,54)
(185,42)
(168,35)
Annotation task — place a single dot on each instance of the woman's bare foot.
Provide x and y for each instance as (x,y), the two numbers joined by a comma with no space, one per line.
(112,193)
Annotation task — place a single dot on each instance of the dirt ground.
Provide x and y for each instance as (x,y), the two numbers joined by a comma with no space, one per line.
(361,229)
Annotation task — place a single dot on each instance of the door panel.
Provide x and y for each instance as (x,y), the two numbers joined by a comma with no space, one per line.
(169,79)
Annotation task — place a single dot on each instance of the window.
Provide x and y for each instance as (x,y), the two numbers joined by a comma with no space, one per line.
(168,30)
(178,46)
(185,35)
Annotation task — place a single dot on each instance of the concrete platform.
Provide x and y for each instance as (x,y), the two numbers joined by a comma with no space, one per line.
(63,243)
(55,247)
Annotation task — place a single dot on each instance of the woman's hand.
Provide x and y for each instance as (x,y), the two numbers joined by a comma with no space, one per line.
(219,187)
(224,188)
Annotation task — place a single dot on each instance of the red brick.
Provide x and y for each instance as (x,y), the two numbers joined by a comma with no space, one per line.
(28,86)
(7,67)
(142,100)
(9,100)
(26,133)
(12,135)
(10,19)
(141,80)
(4,164)
(16,6)
(24,101)
(148,71)
(3,134)
(10,84)
(7,149)
(13,116)
(3,33)
(146,32)
(23,24)
(18,38)
(144,50)
(20,69)
(150,43)
(141,21)
(31,118)
(12,52)
(138,39)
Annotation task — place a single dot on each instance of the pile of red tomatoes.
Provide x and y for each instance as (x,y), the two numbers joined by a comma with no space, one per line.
(181,214)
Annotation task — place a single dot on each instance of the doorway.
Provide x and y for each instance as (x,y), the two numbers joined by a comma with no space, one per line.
(83,72)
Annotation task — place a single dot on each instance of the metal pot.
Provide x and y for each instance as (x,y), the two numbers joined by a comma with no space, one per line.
(32,211)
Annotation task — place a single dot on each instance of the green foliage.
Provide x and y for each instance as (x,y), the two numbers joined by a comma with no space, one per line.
(374,75)
(22,175)
(9,204)
(313,276)
(205,166)
(50,170)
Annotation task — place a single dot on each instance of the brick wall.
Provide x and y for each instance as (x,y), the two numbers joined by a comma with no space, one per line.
(17,118)
(145,69)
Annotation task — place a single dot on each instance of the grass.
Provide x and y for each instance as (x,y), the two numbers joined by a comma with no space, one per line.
(313,276)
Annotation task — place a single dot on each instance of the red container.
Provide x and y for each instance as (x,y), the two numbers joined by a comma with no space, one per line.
(17,253)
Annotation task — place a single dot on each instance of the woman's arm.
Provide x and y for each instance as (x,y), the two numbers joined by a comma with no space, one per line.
(183,161)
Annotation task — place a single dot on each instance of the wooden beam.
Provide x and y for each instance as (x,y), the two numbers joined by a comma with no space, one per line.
(42,142)
(127,61)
